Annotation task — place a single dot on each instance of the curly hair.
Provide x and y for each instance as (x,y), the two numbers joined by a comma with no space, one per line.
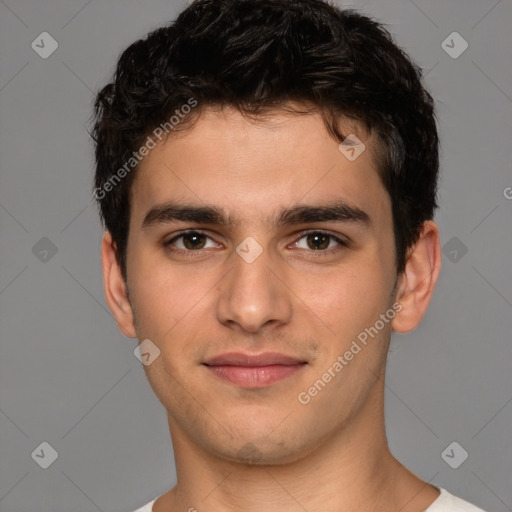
(263,55)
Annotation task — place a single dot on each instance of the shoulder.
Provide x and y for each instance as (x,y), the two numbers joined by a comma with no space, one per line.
(447,502)
(146,508)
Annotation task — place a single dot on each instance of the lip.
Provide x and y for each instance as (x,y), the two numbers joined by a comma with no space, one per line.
(241,359)
(254,370)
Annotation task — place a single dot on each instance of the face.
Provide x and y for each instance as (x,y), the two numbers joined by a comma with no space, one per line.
(291,258)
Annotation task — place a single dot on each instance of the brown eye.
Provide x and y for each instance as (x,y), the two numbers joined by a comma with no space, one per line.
(194,241)
(191,241)
(319,241)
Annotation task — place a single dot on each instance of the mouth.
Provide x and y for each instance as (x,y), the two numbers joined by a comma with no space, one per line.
(254,371)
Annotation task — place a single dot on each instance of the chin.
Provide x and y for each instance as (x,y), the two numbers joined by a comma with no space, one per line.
(262,453)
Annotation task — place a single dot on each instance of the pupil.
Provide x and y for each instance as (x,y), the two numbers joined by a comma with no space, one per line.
(318,238)
(194,244)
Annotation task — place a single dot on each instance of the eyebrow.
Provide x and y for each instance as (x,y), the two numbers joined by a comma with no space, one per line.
(338,211)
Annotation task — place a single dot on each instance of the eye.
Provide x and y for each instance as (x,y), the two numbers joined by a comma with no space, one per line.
(190,241)
(320,241)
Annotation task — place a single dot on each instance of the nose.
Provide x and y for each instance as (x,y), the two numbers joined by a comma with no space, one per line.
(252,297)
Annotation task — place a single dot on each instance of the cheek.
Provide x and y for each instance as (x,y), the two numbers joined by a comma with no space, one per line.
(162,297)
(174,308)
(348,297)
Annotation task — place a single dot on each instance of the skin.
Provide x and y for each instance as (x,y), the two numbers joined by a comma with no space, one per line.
(261,449)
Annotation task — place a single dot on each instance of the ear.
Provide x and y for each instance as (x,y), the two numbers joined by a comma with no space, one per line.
(115,287)
(419,278)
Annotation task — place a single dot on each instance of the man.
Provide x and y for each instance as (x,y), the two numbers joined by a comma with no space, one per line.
(267,172)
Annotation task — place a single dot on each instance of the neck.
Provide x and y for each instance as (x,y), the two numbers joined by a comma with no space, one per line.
(352,470)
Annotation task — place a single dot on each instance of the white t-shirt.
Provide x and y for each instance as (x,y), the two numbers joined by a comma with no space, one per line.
(445,502)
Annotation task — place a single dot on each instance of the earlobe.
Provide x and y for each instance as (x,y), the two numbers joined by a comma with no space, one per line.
(419,278)
(115,287)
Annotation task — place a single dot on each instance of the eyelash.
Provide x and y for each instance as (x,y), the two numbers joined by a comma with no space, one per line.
(318,253)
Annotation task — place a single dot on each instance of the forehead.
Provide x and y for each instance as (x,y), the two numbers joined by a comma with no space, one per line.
(251,167)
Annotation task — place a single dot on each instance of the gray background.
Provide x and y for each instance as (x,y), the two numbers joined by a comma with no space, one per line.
(69,377)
